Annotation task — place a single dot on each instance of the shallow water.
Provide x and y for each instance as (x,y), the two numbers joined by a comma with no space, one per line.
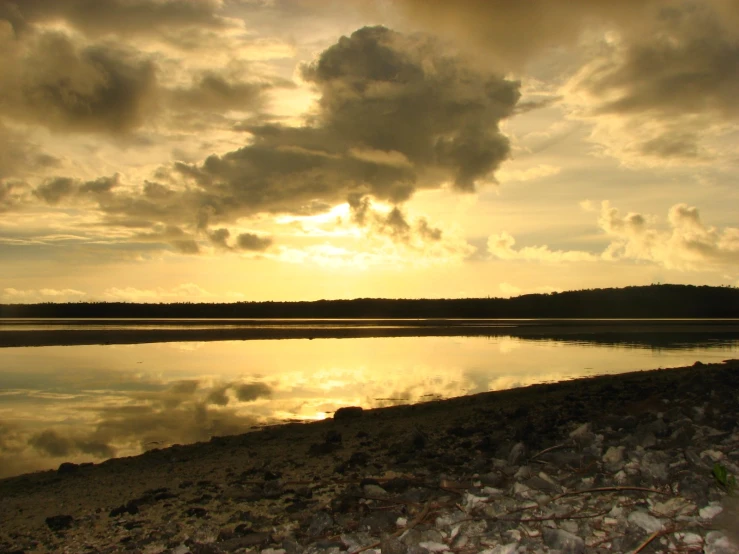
(92,402)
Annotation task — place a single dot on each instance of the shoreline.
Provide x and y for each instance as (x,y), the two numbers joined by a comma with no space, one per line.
(286,476)
(606,331)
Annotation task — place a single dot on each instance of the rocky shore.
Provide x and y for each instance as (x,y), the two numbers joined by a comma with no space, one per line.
(640,462)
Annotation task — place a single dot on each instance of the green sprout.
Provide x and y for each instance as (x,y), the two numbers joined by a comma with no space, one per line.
(723,478)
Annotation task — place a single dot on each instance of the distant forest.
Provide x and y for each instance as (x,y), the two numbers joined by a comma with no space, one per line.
(655,301)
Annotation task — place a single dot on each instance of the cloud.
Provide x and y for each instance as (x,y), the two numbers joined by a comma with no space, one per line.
(539,171)
(501,246)
(19,296)
(253,242)
(115,67)
(668,94)
(56,189)
(176,237)
(183,292)
(687,244)
(123,17)
(510,34)
(51,81)
(395,114)
(19,157)
(14,194)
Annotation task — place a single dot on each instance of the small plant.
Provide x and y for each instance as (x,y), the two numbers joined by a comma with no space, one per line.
(723,478)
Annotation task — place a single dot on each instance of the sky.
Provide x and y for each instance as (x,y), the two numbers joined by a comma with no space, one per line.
(248,150)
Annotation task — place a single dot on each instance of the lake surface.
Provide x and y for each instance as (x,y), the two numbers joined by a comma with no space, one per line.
(90,402)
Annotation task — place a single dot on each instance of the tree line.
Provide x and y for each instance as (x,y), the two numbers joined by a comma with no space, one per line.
(668,301)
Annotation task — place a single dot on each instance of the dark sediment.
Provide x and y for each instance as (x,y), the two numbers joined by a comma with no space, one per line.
(599,464)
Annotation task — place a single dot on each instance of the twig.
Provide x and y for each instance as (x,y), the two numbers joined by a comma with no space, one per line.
(646,542)
(558,518)
(555,447)
(608,489)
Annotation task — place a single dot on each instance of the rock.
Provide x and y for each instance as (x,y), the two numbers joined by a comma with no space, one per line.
(356,541)
(392,545)
(320,523)
(510,548)
(247,541)
(130,507)
(348,413)
(196,512)
(614,457)
(59,522)
(374,491)
(565,542)
(517,453)
(543,485)
(649,523)
(673,507)
(379,522)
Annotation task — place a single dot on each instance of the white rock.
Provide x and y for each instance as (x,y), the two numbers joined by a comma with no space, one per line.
(621,477)
(492,491)
(515,534)
(614,454)
(401,521)
(715,455)
(689,538)
(672,507)
(374,490)
(521,489)
(711,511)
(581,431)
(647,522)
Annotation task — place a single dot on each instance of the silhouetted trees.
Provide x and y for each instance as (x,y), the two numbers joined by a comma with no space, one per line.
(661,301)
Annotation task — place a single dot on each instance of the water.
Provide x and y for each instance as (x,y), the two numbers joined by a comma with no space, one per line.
(91,402)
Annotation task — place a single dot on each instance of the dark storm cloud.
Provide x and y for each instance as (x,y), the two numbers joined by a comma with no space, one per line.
(51,81)
(55,190)
(251,241)
(508,33)
(672,86)
(393,224)
(690,65)
(182,241)
(212,91)
(94,83)
(395,114)
(95,17)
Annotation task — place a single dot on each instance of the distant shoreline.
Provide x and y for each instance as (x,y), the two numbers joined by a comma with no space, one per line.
(654,301)
(599,331)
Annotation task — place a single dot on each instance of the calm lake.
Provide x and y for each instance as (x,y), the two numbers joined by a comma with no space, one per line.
(89,402)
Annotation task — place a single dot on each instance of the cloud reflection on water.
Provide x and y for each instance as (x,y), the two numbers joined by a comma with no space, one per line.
(89,403)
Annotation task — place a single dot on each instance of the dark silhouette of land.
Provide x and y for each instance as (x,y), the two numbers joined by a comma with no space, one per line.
(654,301)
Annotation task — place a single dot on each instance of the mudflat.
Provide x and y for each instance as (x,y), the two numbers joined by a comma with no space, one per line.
(644,460)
